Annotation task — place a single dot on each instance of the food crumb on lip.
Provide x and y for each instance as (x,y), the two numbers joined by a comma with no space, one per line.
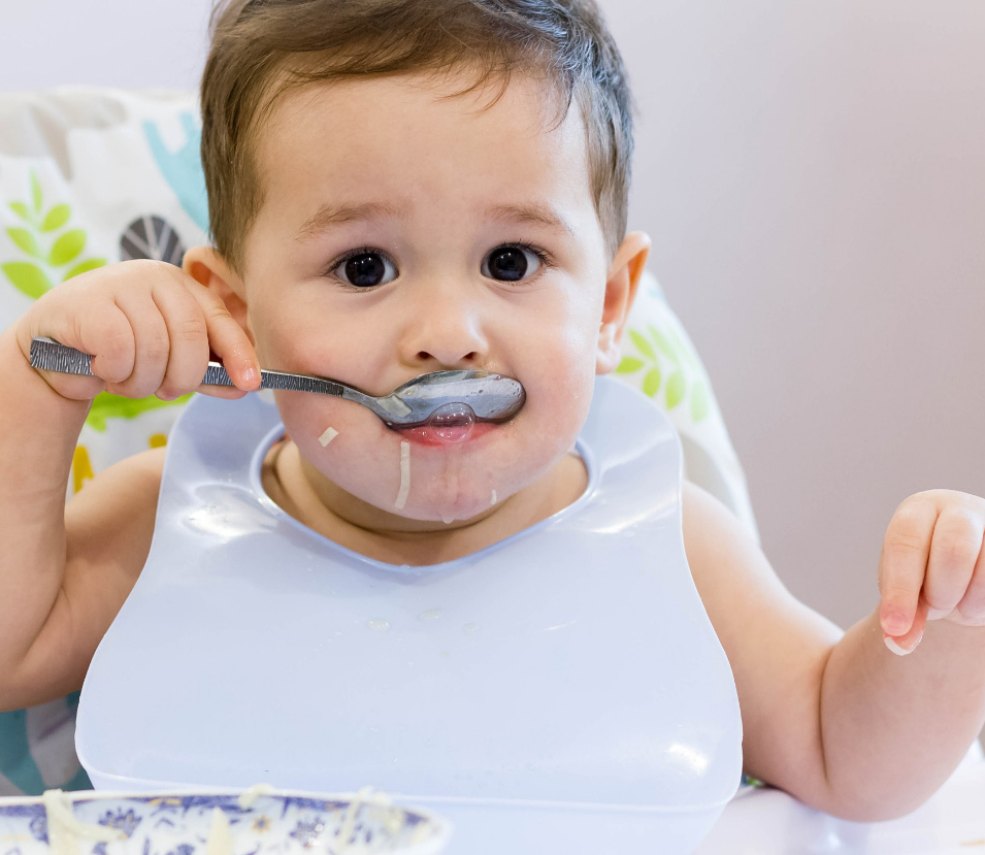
(328,436)
(492,499)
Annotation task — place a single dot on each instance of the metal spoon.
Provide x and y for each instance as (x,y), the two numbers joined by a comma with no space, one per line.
(492,397)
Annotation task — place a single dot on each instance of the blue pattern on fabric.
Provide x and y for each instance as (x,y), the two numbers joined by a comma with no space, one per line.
(182,169)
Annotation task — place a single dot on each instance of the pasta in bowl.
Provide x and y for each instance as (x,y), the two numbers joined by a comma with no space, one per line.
(259,820)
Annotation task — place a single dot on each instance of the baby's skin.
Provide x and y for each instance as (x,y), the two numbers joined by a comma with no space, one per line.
(461,232)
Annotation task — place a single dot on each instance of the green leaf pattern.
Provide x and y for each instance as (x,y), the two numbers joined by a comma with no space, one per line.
(667,366)
(56,218)
(25,241)
(53,253)
(67,248)
(47,245)
(21,210)
(106,406)
(27,278)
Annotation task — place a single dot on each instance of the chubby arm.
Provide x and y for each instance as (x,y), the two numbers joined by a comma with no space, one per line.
(65,601)
(64,572)
(837,719)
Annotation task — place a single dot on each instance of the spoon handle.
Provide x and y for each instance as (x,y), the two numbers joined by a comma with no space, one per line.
(49,355)
(216,375)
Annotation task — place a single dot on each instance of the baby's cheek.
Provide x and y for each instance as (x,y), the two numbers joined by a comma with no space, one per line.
(315,424)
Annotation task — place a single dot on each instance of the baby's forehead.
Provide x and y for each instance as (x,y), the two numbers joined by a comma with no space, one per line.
(411,121)
(479,92)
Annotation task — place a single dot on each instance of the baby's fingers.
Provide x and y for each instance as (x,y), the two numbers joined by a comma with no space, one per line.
(188,342)
(971,609)
(955,551)
(229,341)
(903,566)
(904,644)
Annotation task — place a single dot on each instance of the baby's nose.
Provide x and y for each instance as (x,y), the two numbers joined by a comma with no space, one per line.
(445,327)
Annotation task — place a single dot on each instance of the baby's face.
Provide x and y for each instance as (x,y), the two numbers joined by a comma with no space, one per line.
(405,231)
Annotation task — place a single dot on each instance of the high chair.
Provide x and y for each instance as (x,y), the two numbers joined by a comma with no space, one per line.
(90,177)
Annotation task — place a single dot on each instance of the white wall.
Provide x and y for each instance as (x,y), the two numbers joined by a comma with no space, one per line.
(813,175)
(131,43)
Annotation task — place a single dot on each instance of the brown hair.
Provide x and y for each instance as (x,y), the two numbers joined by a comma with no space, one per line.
(260,48)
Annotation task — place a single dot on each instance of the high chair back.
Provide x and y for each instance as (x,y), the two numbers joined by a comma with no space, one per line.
(90,177)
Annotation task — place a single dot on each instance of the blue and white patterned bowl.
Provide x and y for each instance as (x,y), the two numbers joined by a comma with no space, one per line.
(252,823)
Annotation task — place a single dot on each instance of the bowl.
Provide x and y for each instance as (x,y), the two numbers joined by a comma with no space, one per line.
(258,821)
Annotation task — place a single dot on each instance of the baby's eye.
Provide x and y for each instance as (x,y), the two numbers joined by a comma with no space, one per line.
(511,263)
(366,268)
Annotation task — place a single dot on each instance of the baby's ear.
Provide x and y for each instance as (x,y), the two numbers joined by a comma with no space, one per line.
(620,291)
(207,267)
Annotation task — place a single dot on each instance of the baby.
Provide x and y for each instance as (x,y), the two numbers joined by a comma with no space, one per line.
(404,187)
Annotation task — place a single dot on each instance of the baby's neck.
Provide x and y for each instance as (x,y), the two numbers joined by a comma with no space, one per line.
(324,507)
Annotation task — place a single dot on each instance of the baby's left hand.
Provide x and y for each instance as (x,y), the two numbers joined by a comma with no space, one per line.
(932,566)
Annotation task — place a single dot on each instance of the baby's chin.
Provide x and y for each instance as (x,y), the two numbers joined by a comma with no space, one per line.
(458,514)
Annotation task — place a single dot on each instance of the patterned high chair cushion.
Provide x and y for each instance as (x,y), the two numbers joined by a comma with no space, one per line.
(89,177)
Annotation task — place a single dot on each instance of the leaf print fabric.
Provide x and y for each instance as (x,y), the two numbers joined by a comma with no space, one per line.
(47,243)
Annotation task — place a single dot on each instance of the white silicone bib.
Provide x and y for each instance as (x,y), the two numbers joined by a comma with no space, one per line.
(562,691)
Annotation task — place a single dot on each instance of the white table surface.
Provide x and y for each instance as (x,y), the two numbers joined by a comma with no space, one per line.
(769,822)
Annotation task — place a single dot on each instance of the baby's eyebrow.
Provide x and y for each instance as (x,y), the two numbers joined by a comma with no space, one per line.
(329,215)
(533,213)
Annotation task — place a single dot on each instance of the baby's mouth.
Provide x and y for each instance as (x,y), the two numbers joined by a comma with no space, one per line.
(450,424)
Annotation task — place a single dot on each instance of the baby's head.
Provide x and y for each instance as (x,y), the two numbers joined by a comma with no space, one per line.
(264,48)
(399,187)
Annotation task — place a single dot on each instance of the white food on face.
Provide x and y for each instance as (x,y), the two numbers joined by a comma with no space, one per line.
(328,436)
(65,831)
(492,499)
(404,491)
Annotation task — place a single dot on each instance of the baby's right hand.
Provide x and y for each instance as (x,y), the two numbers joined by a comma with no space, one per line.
(150,328)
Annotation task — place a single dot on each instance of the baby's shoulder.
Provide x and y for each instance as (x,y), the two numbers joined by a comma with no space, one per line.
(733,577)
(134,474)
